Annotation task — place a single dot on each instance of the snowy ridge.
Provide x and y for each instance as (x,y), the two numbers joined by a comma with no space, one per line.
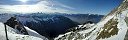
(74,35)
(87,34)
(34,33)
(98,27)
(112,27)
(14,34)
(121,26)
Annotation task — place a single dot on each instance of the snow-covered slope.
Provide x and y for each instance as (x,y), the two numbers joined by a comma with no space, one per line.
(76,34)
(14,34)
(112,27)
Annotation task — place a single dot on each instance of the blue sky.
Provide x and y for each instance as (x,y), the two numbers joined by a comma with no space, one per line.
(92,6)
(62,6)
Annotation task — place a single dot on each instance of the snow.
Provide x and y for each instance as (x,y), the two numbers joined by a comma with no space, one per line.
(96,29)
(120,14)
(81,32)
(110,30)
(13,34)
(62,35)
(122,26)
(88,30)
(34,33)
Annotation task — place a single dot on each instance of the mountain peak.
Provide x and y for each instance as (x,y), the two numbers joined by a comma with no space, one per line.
(113,26)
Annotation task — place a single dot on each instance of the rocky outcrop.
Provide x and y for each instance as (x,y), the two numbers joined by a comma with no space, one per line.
(12,22)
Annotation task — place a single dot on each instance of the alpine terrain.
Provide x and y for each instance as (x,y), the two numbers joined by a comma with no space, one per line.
(10,29)
(48,26)
(113,26)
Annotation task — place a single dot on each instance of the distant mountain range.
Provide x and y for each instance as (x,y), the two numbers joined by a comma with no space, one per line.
(83,18)
(53,24)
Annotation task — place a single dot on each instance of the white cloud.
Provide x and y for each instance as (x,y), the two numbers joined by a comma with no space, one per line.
(42,6)
(62,5)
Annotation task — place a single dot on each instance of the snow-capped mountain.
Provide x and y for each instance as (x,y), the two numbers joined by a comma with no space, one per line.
(113,26)
(78,18)
(48,25)
(59,23)
(14,34)
(83,18)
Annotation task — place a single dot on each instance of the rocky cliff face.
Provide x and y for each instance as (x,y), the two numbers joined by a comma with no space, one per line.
(113,26)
